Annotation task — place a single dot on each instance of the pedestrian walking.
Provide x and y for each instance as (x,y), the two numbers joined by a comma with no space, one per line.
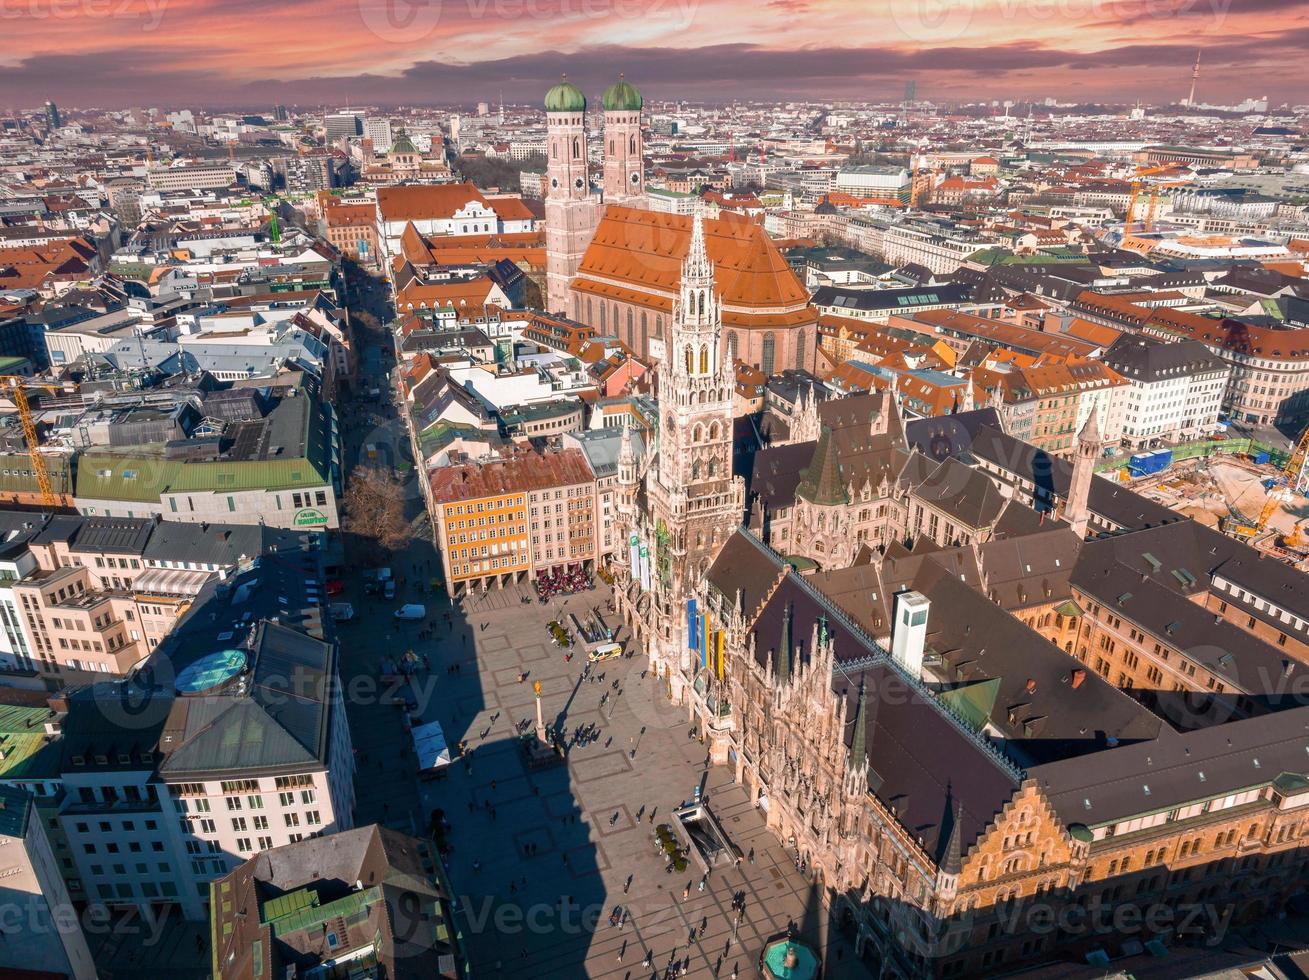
(751,855)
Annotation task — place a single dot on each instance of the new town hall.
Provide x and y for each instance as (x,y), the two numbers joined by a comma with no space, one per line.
(983,694)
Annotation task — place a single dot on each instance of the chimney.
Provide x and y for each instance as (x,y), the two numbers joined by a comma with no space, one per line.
(1079,678)
(909,633)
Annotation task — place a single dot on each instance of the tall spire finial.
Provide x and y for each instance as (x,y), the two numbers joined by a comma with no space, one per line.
(859,739)
(784,648)
(625,453)
(697,266)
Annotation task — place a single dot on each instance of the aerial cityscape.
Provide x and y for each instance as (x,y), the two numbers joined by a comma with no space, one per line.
(656,489)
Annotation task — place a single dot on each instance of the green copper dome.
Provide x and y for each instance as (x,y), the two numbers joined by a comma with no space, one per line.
(622,96)
(565,97)
(403,144)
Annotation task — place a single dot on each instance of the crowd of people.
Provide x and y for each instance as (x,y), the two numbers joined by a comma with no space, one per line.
(564,581)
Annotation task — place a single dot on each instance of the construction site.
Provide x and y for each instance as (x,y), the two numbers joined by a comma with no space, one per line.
(1255,496)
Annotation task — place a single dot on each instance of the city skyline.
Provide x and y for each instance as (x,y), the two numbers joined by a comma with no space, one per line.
(135,52)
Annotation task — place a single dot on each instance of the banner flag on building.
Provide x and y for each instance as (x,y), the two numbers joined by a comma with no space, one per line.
(645,568)
(705,640)
(692,626)
(634,553)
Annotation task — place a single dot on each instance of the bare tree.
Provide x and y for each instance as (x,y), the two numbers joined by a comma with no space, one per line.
(374,508)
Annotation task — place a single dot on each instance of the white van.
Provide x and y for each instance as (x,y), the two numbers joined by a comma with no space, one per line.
(411,610)
(604,652)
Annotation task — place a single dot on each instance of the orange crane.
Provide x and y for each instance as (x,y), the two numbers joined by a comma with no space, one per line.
(1141,172)
(17,385)
(1292,478)
(1153,206)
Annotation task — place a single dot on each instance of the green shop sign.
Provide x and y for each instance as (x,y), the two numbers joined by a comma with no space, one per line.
(309,517)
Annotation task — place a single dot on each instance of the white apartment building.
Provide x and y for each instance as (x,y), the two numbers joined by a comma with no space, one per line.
(234,742)
(1110,403)
(446,209)
(190,176)
(1176,389)
(902,243)
(41,928)
(16,561)
(872,181)
(378,129)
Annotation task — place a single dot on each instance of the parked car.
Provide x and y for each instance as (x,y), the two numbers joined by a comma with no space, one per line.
(335,586)
(411,611)
(341,611)
(388,589)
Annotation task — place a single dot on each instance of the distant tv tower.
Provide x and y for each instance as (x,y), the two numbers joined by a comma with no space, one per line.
(1195,77)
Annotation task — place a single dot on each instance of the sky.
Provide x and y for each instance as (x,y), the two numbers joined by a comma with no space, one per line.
(256,53)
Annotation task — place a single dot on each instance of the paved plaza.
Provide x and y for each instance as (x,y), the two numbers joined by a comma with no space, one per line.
(541,858)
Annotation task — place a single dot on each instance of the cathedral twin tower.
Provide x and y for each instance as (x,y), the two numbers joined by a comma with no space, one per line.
(572,210)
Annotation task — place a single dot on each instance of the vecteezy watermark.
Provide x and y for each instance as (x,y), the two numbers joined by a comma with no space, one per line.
(949,20)
(1122,919)
(406,21)
(149,12)
(32,916)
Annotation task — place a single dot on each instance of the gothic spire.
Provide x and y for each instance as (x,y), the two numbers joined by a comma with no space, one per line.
(952,857)
(784,648)
(697,268)
(859,741)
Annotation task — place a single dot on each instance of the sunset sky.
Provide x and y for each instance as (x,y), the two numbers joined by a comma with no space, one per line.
(312,52)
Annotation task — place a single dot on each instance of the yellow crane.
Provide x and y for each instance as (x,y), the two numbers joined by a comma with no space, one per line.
(1141,172)
(1288,481)
(1153,206)
(16,386)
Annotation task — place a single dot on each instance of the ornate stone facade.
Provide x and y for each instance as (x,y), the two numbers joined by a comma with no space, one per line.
(690,502)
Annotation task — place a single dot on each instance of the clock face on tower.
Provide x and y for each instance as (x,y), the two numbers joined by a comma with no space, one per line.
(554,181)
(578,183)
(636,178)
(670,425)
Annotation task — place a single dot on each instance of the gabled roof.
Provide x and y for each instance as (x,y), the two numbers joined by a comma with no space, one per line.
(964,493)
(643,250)
(419,202)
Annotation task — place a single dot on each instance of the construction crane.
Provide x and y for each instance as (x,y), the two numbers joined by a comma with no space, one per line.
(1141,172)
(1153,206)
(1295,540)
(1292,479)
(17,385)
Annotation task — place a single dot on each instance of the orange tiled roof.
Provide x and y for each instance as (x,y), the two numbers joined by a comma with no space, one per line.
(510,209)
(1094,333)
(410,202)
(644,251)
(350,215)
(457,294)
